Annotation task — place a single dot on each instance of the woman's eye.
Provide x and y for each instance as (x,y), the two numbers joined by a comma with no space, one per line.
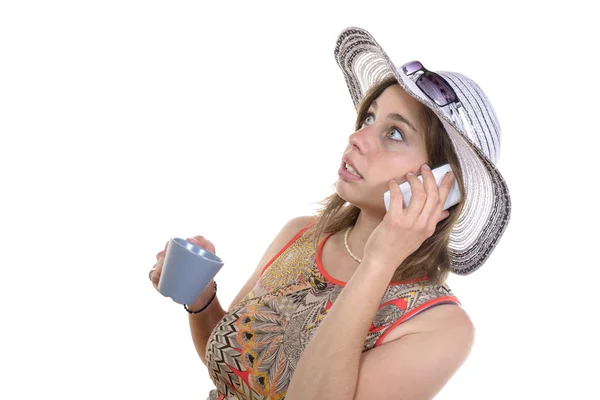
(399,132)
(399,135)
(369,119)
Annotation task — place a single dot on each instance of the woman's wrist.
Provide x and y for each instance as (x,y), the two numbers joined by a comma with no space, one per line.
(205,299)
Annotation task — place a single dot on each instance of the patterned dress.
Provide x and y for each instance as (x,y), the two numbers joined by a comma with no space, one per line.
(253,350)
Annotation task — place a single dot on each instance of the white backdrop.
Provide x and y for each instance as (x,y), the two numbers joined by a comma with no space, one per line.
(125,123)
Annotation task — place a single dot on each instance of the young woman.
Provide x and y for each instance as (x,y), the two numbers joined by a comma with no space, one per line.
(352,303)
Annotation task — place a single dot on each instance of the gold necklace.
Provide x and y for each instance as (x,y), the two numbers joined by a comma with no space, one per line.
(347,248)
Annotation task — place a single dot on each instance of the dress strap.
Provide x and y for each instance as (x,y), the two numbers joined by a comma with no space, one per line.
(288,244)
(418,310)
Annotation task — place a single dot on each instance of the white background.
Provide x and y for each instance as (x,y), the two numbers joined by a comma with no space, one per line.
(125,123)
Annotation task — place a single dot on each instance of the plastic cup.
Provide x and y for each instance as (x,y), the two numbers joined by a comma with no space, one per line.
(187,271)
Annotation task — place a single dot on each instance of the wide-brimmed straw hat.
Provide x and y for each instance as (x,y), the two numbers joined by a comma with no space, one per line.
(471,124)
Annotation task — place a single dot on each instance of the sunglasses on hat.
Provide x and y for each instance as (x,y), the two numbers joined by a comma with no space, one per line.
(432,84)
(437,89)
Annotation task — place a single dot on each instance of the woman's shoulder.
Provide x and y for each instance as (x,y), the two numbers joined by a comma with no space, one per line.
(443,310)
(448,319)
(449,316)
(301,222)
(293,229)
(295,226)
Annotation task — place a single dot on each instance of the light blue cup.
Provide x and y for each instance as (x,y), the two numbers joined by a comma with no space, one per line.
(187,271)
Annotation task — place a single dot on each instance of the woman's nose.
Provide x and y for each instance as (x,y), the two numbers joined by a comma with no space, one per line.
(361,139)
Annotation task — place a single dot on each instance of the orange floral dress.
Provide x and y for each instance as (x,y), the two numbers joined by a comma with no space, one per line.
(253,350)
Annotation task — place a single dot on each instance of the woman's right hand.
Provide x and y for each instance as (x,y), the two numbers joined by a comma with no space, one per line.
(207,294)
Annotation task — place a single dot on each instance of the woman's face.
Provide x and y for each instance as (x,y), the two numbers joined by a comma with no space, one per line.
(389,144)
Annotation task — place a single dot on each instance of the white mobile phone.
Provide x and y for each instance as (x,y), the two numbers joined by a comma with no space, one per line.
(438,173)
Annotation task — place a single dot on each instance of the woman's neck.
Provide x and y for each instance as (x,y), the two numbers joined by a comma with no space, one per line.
(360,233)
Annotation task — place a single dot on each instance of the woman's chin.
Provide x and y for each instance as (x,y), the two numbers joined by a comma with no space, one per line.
(363,204)
(350,198)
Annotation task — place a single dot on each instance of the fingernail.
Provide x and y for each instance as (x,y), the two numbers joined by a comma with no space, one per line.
(410,174)
(426,167)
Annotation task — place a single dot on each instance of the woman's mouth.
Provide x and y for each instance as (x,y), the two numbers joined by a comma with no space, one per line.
(347,173)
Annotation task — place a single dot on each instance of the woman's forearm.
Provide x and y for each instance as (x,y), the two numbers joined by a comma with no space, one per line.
(203,323)
(329,366)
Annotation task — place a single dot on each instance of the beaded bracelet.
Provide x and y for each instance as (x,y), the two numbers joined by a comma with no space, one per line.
(202,309)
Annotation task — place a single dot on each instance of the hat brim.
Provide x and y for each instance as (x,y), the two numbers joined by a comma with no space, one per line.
(487,205)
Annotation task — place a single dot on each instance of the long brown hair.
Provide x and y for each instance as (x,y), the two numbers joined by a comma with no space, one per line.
(432,258)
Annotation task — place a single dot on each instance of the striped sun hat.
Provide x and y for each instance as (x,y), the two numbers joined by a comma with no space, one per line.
(471,124)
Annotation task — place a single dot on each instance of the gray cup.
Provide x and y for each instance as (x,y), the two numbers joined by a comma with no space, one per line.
(187,271)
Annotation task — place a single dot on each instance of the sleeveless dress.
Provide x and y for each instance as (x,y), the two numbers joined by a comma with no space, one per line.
(253,350)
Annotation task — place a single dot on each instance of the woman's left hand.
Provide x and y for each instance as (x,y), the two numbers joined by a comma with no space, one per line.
(403,230)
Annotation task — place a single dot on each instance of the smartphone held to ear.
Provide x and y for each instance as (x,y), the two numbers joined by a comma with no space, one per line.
(439,172)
